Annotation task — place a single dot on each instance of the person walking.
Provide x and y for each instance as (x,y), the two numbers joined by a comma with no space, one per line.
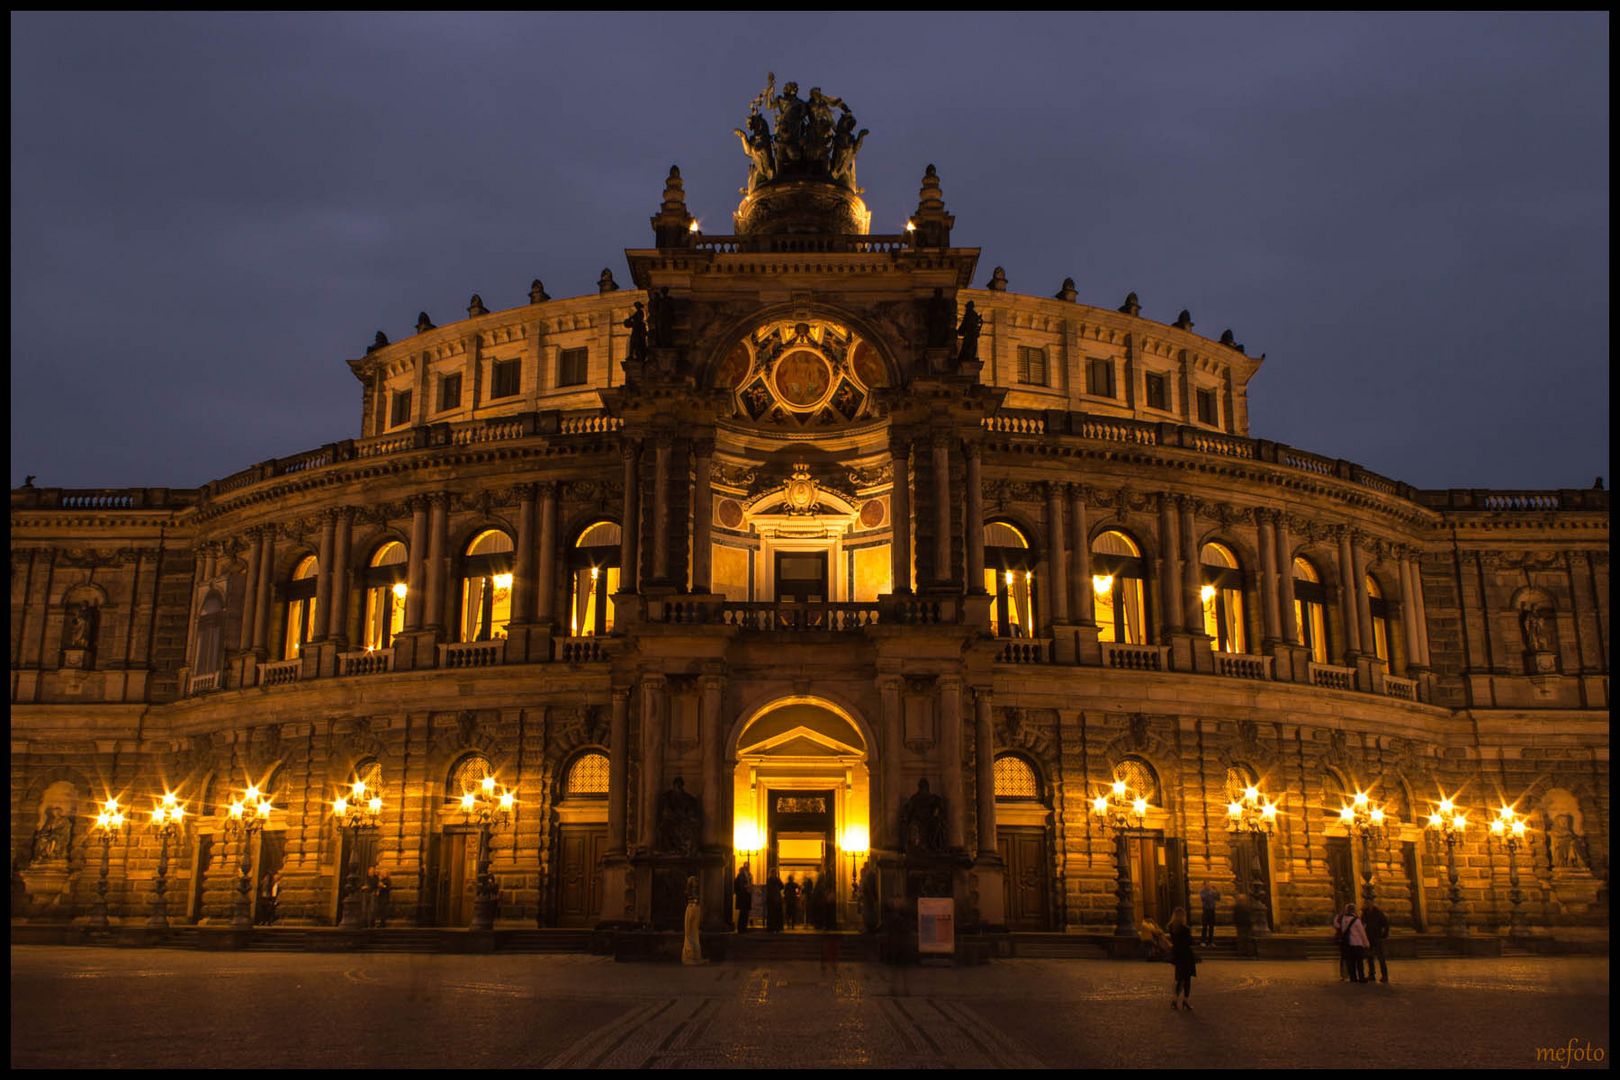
(1377,924)
(773,902)
(790,897)
(1208,897)
(1183,957)
(742,888)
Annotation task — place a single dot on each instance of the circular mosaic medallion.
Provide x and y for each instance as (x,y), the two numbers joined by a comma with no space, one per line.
(873,513)
(869,366)
(802,379)
(728,513)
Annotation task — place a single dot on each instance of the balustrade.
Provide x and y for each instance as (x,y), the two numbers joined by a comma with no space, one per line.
(366,662)
(280,673)
(1396,687)
(1242,666)
(791,615)
(1332,676)
(1025,651)
(471,654)
(202,684)
(1135,657)
(581,650)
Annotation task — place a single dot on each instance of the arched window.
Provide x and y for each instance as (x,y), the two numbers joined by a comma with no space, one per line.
(385,595)
(1118,585)
(1222,594)
(1310,609)
(301,613)
(1140,779)
(593,573)
(1016,780)
(1238,780)
(1009,577)
(1380,619)
(587,777)
(210,635)
(486,586)
(467,775)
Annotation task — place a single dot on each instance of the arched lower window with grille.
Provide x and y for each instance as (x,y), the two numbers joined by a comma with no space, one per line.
(468,775)
(1139,778)
(1016,780)
(588,777)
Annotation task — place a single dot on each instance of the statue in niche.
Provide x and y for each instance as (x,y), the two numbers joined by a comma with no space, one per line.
(1534,627)
(54,837)
(969,333)
(1565,844)
(637,324)
(679,822)
(79,631)
(922,821)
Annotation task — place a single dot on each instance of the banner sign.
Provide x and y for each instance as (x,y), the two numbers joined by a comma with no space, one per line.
(936,925)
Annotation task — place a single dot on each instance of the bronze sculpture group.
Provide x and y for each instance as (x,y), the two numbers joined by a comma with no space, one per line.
(808,143)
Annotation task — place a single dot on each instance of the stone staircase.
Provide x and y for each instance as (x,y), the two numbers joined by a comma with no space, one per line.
(761,947)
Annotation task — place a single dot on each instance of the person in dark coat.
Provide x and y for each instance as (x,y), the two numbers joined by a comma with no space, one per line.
(1183,957)
(826,903)
(743,889)
(790,896)
(808,892)
(1377,924)
(773,903)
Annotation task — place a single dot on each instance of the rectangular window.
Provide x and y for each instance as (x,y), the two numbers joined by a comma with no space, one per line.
(505,378)
(1031,365)
(571,367)
(1158,396)
(1100,378)
(401,413)
(450,391)
(1206,407)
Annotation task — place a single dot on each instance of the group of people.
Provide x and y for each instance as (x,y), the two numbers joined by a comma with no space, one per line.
(1361,941)
(812,903)
(269,895)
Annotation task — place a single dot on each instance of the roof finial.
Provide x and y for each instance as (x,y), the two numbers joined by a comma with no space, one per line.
(1131,306)
(537,293)
(998,280)
(930,226)
(423,323)
(379,342)
(672,225)
(1067,292)
(605,283)
(1184,320)
(475,306)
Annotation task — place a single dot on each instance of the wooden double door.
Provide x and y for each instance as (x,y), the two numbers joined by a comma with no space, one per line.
(579,873)
(1158,876)
(453,876)
(1023,855)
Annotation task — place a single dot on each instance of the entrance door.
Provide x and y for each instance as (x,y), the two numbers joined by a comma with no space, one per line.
(272,857)
(1251,865)
(453,895)
(200,867)
(801,576)
(1341,871)
(1023,851)
(1154,876)
(1414,882)
(579,883)
(800,837)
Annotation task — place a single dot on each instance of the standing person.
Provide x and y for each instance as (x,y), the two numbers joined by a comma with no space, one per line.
(1208,897)
(1377,924)
(807,894)
(773,902)
(1183,957)
(869,898)
(790,896)
(368,897)
(385,889)
(269,892)
(743,889)
(1352,934)
(828,902)
(691,926)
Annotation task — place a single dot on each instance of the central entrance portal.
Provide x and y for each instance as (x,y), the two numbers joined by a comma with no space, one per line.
(802,799)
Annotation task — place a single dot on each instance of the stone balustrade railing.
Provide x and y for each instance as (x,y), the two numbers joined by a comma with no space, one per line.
(472,654)
(1396,687)
(1016,423)
(366,662)
(202,684)
(1123,657)
(280,673)
(1243,666)
(1024,651)
(1332,677)
(863,244)
(581,650)
(790,615)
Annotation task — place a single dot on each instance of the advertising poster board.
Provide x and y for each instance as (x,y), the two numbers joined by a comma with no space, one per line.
(936,925)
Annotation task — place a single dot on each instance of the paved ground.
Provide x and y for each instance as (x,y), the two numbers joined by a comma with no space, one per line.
(179,1008)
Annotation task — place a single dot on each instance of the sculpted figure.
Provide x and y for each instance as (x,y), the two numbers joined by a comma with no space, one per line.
(922,820)
(819,136)
(1566,846)
(680,820)
(969,333)
(792,116)
(54,836)
(637,324)
(79,631)
(845,145)
(1534,627)
(756,143)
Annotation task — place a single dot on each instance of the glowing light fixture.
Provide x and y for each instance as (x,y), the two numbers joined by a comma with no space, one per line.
(400,589)
(1207,593)
(503,581)
(1101,584)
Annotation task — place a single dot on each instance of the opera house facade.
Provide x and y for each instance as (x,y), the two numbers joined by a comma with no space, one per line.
(799,551)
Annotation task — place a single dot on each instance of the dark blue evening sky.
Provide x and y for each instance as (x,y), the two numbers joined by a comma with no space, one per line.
(1408,213)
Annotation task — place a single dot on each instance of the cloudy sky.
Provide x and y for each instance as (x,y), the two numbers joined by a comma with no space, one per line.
(1408,214)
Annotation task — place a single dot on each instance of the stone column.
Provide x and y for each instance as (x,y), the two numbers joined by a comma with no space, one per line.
(900,517)
(942,508)
(323,576)
(974,581)
(546,576)
(1347,597)
(1191,571)
(250,589)
(618,769)
(660,510)
(1363,603)
(267,569)
(629,571)
(438,540)
(1170,568)
(1419,615)
(1270,613)
(416,564)
(702,514)
(653,695)
(1058,587)
(1083,606)
(950,733)
(337,617)
(709,745)
(523,563)
(1285,568)
(886,820)
(985,773)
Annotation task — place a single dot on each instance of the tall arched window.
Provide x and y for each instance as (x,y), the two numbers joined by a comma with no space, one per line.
(1310,609)
(385,595)
(210,635)
(486,586)
(1118,586)
(593,574)
(467,775)
(301,613)
(1222,594)
(1009,577)
(1380,619)
(1140,778)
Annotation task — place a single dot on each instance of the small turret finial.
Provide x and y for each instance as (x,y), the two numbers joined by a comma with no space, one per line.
(378,342)
(423,323)
(1067,292)
(475,306)
(1131,306)
(998,280)
(605,283)
(537,292)
(1184,320)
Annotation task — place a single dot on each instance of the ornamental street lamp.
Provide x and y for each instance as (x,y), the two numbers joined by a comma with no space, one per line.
(488,809)
(1365,821)
(1122,811)
(1450,821)
(167,822)
(362,813)
(246,817)
(110,825)
(1251,819)
(1510,826)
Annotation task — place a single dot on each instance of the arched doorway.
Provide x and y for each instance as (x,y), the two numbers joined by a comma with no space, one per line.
(802,800)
